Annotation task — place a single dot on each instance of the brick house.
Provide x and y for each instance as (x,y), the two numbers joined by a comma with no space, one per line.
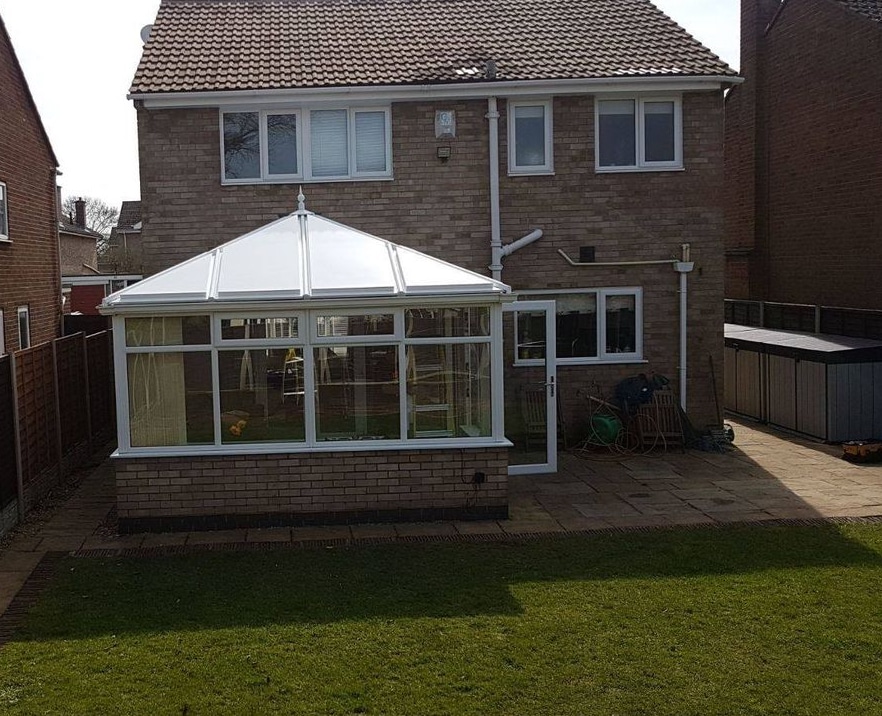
(804,154)
(522,129)
(30,288)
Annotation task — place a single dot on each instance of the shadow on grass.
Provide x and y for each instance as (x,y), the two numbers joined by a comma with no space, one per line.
(94,596)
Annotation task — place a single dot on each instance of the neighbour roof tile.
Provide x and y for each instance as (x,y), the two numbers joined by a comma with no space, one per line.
(129,214)
(210,45)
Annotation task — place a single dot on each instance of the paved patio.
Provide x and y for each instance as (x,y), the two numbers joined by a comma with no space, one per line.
(766,477)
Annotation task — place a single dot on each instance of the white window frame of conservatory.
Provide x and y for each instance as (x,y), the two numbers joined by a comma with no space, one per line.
(602,358)
(545,169)
(310,445)
(642,165)
(304,145)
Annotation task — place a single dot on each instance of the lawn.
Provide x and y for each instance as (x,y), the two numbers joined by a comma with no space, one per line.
(733,621)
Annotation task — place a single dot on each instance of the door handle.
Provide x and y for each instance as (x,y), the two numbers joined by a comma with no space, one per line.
(550,384)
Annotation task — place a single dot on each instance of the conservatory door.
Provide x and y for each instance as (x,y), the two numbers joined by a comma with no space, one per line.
(531,386)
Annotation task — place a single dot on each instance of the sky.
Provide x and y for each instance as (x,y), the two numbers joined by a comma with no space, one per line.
(79,57)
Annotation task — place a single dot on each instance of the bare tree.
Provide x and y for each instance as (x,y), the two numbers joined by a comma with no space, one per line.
(100,216)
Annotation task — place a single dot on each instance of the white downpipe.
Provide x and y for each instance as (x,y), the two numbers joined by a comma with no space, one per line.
(495,231)
(683,267)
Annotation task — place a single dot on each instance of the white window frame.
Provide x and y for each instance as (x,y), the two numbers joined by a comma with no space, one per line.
(307,340)
(2,334)
(602,357)
(4,200)
(642,165)
(24,312)
(304,154)
(548,167)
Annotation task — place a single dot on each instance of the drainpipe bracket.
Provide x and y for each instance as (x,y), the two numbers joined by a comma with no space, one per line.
(684,266)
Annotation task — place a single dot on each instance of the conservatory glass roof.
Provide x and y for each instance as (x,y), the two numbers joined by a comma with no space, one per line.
(303,256)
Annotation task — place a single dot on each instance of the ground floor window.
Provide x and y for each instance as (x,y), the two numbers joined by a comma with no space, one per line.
(593,325)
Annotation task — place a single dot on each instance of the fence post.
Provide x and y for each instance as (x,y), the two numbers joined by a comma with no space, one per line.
(817,319)
(16,424)
(88,384)
(762,314)
(58,442)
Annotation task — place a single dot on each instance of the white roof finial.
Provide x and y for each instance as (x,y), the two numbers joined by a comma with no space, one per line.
(301,200)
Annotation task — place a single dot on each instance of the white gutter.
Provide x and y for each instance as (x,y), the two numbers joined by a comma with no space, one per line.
(401,93)
(683,267)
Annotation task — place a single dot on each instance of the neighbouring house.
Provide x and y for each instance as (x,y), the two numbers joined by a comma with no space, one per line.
(123,255)
(804,159)
(275,370)
(30,286)
(87,275)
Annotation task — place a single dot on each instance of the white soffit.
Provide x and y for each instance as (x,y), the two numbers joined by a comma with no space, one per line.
(303,256)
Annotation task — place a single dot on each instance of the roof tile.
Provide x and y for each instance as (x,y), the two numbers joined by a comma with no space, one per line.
(204,45)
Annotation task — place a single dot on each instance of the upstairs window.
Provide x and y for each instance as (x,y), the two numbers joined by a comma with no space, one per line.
(639,134)
(4,214)
(306,145)
(24,327)
(530,138)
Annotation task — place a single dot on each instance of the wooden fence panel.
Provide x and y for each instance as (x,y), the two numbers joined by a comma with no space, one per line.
(35,381)
(70,359)
(102,396)
(8,472)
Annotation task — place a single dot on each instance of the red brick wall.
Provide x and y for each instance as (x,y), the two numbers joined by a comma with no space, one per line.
(818,217)
(29,269)
(334,485)
(443,209)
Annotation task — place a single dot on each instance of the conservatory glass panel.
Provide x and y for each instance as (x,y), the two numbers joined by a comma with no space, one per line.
(261,395)
(447,322)
(168,331)
(170,399)
(371,324)
(233,329)
(357,393)
(448,390)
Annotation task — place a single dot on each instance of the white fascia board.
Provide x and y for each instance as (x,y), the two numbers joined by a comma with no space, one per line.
(96,279)
(187,308)
(402,93)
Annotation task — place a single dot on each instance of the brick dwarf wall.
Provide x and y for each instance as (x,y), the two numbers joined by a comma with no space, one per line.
(442,208)
(267,490)
(29,268)
(817,222)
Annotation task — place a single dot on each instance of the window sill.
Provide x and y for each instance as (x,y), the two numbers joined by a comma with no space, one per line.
(531,172)
(299,449)
(637,170)
(329,180)
(564,362)
(5,240)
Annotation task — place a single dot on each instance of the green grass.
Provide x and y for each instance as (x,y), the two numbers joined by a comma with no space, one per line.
(736,621)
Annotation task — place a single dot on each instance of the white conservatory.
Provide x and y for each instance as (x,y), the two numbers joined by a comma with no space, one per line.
(305,373)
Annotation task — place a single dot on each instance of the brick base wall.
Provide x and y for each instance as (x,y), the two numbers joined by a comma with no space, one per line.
(214,492)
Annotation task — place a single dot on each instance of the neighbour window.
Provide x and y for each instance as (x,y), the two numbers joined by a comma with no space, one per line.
(24,327)
(2,335)
(596,326)
(638,134)
(304,145)
(530,138)
(4,214)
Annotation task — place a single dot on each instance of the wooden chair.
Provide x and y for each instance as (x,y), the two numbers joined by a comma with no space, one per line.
(533,406)
(660,422)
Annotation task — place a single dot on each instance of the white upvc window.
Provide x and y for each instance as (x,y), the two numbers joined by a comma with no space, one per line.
(603,325)
(4,213)
(638,134)
(24,327)
(2,334)
(530,137)
(294,145)
(321,379)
